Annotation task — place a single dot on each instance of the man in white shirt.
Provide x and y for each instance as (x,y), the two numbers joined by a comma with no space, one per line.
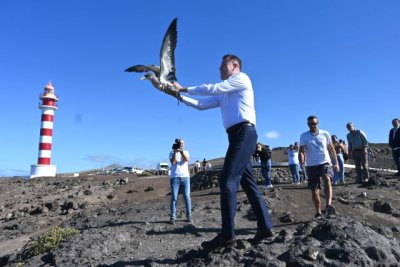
(316,151)
(234,96)
(180,176)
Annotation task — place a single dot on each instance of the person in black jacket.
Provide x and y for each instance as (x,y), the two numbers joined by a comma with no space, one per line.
(394,143)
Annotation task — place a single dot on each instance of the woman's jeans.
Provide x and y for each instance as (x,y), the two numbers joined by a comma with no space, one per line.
(266,171)
(295,171)
(339,176)
(303,173)
(175,183)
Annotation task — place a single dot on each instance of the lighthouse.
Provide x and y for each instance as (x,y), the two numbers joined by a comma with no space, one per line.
(48,105)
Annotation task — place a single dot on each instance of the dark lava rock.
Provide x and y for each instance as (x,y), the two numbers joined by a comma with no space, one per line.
(330,242)
(287,218)
(150,188)
(383,207)
(87,192)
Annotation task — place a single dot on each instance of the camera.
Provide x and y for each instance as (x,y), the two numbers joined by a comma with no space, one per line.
(177,144)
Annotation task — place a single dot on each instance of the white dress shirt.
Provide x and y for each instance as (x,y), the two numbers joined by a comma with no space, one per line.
(234,96)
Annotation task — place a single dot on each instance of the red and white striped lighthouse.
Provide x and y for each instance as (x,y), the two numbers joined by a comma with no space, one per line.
(48,106)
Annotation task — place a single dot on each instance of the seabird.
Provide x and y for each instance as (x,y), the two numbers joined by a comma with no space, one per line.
(165,74)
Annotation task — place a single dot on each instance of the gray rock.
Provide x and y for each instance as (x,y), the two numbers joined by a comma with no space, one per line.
(383,207)
(311,253)
(287,218)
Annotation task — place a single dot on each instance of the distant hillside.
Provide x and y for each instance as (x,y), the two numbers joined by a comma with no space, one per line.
(382,158)
(113,166)
(381,151)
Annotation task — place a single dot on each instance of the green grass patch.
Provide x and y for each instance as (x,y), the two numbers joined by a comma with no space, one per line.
(50,240)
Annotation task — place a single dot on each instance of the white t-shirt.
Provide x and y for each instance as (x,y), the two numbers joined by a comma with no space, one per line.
(293,156)
(181,167)
(316,147)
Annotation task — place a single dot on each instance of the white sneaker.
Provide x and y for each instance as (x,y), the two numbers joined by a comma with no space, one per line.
(269,186)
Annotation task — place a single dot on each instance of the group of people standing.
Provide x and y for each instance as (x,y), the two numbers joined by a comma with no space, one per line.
(201,166)
(317,151)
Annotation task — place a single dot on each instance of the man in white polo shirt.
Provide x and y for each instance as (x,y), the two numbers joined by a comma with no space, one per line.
(316,151)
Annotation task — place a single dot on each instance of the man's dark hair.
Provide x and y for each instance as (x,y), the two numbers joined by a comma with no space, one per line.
(312,117)
(234,58)
(395,119)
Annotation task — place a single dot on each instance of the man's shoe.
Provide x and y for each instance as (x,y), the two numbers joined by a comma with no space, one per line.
(318,215)
(365,181)
(262,235)
(330,210)
(172,221)
(218,242)
(397,174)
(189,218)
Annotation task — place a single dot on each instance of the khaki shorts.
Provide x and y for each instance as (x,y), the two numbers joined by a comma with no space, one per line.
(315,173)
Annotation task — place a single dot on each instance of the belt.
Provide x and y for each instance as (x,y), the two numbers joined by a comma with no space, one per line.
(237,126)
(359,149)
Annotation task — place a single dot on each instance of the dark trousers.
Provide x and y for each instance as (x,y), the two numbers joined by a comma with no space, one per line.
(396,158)
(360,158)
(238,169)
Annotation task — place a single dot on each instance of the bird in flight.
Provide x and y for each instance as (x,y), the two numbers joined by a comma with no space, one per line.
(165,73)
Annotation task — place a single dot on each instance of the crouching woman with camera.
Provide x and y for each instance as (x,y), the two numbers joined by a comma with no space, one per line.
(180,176)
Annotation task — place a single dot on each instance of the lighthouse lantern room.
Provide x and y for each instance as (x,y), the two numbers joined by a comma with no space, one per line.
(48,105)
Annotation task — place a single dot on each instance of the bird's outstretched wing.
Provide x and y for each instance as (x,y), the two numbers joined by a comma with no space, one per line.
(165,74)
(143,68)
(167,54)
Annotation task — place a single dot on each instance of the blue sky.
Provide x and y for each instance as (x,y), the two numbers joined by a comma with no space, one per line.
(339,60)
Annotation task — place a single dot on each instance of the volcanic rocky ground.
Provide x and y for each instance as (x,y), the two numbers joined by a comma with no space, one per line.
(123,220)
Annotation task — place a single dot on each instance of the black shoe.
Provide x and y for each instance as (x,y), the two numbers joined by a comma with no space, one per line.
(189,219)
(397,174)
(330,210)
(218,242)
(318,215)
(172,221)
(262,235)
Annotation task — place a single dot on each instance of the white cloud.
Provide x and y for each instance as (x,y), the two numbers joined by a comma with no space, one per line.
(272,134)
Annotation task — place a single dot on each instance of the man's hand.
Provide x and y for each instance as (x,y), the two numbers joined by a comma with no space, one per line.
(177,86)
(336,167)
(170,90)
